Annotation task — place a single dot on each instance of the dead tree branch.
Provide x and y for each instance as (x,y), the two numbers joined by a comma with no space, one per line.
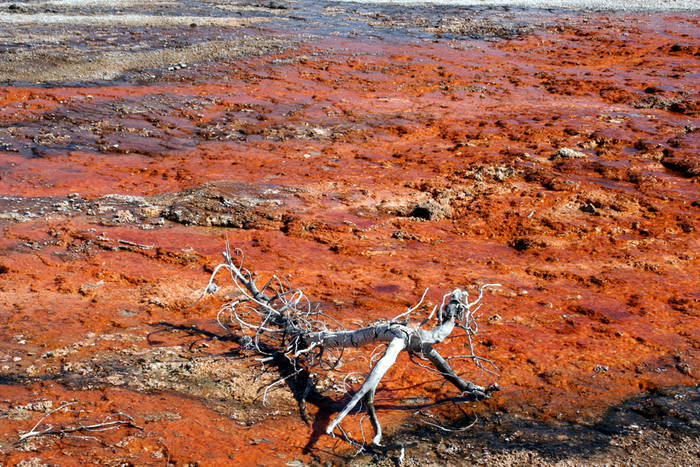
(112,422)
(279,317)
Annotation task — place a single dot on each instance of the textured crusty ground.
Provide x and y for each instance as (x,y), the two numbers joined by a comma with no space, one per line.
(556,155)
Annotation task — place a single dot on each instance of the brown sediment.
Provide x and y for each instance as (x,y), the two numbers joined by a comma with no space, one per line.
(111,65)
(365,172)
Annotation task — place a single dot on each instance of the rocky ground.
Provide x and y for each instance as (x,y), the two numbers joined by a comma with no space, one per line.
(365,153)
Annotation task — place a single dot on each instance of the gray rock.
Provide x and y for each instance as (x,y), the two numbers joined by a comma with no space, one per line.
(568,153)
(429,211)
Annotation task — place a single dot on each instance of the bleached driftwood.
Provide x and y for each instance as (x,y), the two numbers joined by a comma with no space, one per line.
(278,318)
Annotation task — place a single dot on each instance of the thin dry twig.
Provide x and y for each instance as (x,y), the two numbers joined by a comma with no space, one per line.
(111,422)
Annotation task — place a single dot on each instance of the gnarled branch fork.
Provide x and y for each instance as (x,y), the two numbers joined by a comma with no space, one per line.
(277,318)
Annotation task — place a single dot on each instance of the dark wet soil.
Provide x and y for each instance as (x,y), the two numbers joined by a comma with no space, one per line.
(661,428)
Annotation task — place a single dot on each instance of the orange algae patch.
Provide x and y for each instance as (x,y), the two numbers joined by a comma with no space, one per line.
(595,253)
